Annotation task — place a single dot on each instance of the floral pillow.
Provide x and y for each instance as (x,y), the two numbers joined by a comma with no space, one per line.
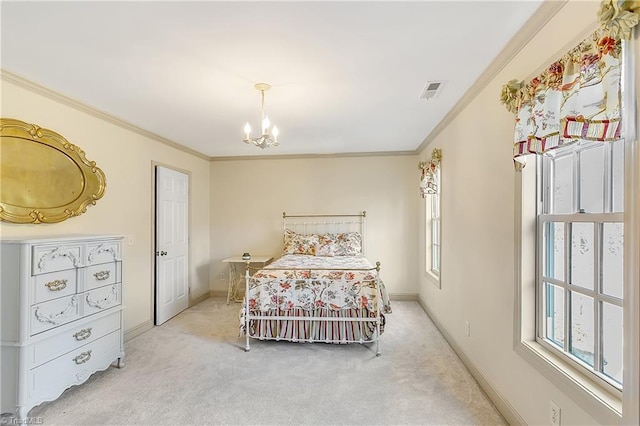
(349,244)
(295,243)
(344,244)
(327,245)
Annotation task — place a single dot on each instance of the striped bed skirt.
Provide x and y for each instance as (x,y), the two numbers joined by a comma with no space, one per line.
(318,325)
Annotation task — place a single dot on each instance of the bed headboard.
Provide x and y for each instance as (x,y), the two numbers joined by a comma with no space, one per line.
(325,223)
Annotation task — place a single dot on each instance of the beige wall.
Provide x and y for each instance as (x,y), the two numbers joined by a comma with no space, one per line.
(478,230)
(237,206)
(126,208)
(249,196)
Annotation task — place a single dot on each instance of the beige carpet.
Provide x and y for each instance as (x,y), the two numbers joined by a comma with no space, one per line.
(193,370)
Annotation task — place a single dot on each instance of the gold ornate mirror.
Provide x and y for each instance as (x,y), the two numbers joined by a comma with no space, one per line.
(43,177)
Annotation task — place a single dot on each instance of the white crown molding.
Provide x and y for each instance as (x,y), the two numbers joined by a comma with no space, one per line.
(547,10)
(65,100)
(307,156)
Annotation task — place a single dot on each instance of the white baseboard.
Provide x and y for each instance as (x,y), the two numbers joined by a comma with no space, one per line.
(138,330)
(199,299)
(404,297)
(148,325)
(219,293)
(505,408)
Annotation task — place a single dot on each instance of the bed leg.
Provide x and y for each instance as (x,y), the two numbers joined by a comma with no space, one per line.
(247,329)
(378,353)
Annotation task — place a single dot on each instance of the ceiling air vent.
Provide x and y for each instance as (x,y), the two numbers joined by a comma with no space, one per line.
(431,89)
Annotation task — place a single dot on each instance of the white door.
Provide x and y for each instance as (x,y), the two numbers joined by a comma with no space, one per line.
(172,243)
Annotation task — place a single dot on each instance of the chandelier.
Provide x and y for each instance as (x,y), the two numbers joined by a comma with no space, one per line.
(269,136)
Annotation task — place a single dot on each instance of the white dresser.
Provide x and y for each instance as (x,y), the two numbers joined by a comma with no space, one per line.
(61,311)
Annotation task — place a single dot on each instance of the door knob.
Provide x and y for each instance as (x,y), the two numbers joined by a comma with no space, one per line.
(161,253)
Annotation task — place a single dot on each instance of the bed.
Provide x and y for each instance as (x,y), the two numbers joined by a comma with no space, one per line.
(322,289)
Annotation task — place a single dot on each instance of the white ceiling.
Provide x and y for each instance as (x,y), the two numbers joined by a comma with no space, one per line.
(346,76)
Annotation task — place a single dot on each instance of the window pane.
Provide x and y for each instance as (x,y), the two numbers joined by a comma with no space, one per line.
(582,254)
(592,179)
(618,175)
(612,257)
(554,297)
(562,185)
(435,231)
(436,259)
(435,205)
(612,341)
(582,327)
(554,250)
(427,233)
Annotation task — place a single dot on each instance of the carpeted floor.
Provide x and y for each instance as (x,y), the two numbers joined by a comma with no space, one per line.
(193,370)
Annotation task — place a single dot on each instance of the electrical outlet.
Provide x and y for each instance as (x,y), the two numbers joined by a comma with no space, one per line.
(222,276)
(131,240)
(554,414)
(467,329)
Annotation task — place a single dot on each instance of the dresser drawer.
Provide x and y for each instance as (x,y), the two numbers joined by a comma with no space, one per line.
(54,313)
(101,275)
(50,258)
(49,380)
(103,252)
(54,285)
(72,339)
(101,299)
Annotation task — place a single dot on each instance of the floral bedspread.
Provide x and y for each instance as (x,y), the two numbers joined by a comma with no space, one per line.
(339,282)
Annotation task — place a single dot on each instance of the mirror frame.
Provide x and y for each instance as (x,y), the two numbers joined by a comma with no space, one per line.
(93,185)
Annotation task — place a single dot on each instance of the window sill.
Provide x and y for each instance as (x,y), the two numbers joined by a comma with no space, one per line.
(600,404)
(435,279)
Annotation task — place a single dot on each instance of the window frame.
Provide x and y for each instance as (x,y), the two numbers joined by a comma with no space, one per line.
(602,405)
(595,294)
(544,180)
(434,219)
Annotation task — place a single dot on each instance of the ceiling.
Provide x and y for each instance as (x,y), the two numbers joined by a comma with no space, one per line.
(346,77)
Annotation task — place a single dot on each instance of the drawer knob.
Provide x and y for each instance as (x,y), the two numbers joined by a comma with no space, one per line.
(82,358)
(102,275)
(83,334)
(56,285)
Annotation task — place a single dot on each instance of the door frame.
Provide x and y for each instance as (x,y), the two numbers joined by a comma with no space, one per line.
(152,287)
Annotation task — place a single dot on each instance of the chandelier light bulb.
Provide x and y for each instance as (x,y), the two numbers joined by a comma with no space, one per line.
(247,130)
(275,132)
(265,125)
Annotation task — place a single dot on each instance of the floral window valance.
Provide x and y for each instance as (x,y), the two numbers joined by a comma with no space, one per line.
(578,96)
(429,174)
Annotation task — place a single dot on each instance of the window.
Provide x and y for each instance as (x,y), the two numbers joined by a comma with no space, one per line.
(579,267)
(430,191)
(577,234)
(433,230)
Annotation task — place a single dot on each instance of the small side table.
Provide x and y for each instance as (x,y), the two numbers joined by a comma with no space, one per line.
(235,278)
